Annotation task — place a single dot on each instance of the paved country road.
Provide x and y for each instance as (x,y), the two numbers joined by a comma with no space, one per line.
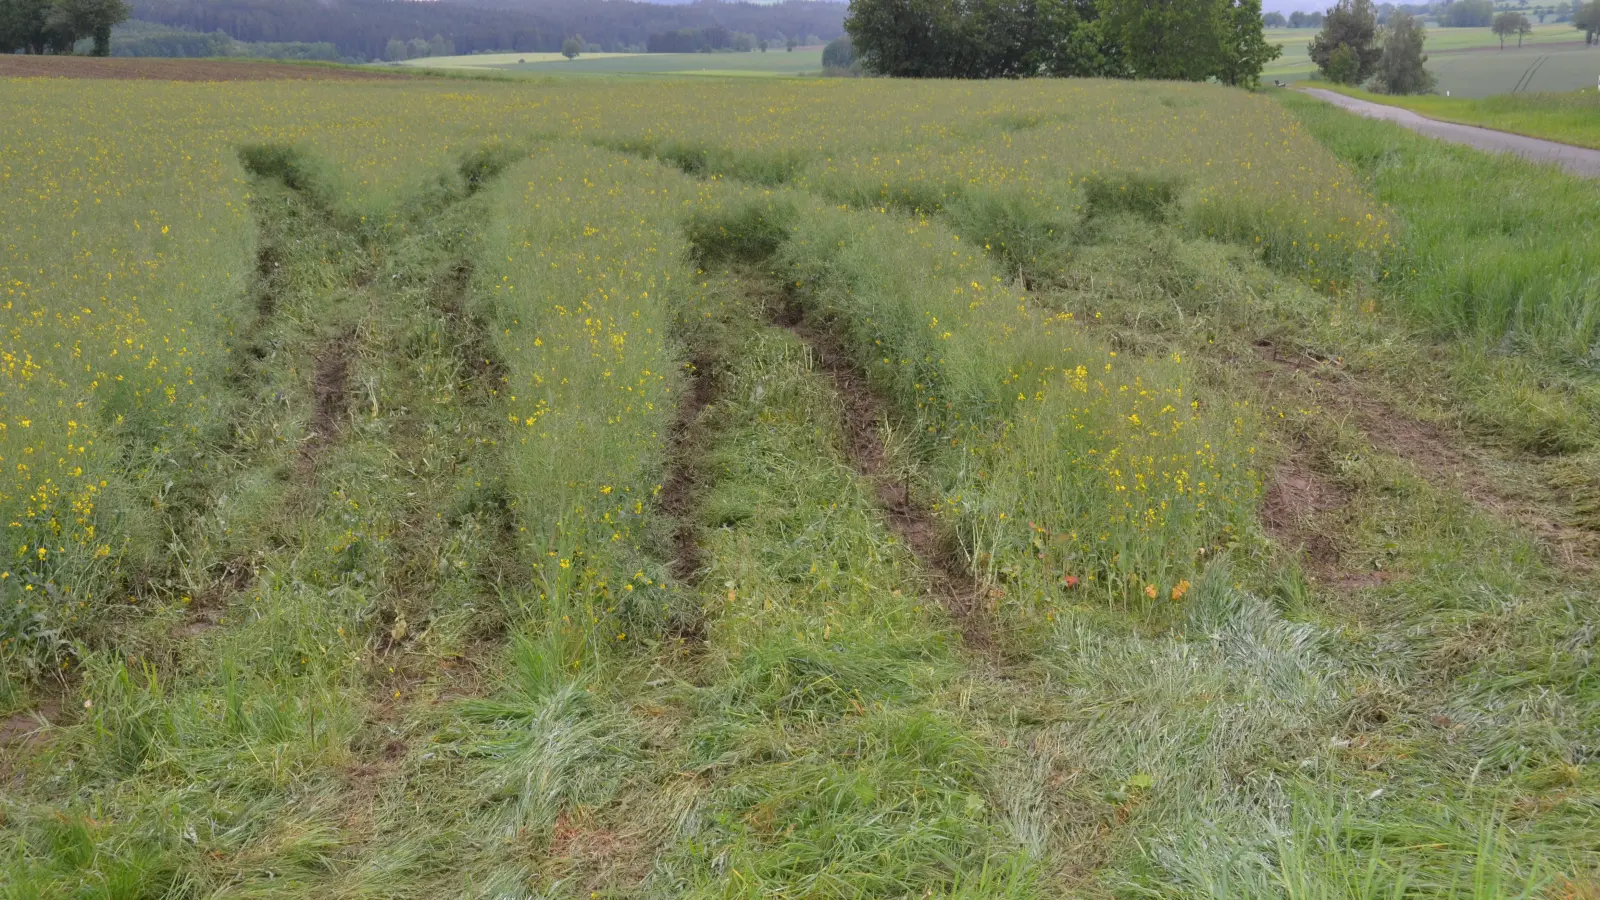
(1577,160)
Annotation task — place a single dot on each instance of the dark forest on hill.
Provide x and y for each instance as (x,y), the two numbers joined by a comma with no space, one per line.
(363,28)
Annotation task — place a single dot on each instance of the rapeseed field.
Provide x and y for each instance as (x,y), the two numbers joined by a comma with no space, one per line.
(836,488)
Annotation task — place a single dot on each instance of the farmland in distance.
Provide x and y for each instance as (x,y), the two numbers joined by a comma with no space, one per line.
(1469,62)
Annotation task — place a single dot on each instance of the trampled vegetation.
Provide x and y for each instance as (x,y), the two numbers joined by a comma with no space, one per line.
(801,489)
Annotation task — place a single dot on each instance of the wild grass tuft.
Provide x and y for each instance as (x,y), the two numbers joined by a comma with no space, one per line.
(748,233)
(1517,265)
(296,167)
(1153,197)
(1020,234)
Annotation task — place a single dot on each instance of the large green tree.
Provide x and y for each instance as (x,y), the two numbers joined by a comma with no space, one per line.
(1176,39)
(1587,18)
(1190,40)
(909,38)
(1402,69)
(1353,24)
(53,26)
(1467,14)
(1245,50)
(26,25)
(90,19)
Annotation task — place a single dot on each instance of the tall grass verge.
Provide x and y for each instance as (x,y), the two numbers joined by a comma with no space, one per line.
(1495,248)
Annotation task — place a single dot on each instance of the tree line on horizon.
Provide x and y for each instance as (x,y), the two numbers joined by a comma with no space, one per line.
(1457,14)
(362,29)
(56,26)
(1187,40)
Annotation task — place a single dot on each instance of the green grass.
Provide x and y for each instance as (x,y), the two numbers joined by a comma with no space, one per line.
(1569,118)
(1494,247)
(489,60)
(1529,70)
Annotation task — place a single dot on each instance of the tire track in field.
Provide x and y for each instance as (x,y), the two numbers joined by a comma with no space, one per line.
(1528,74)
(1447,461)
(862,418)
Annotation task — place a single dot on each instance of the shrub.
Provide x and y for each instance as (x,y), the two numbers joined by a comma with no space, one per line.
(750,233)
(1150,197)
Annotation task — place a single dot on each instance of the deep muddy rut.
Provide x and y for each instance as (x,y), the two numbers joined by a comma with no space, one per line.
(685,482)
(330,389)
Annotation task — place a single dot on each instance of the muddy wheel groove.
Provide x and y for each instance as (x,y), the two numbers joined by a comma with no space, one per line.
(862,417)
(330,388)
(681,490)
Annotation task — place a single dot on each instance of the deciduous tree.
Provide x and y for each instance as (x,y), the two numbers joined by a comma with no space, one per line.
(1245,50)
(908,38)
(1587,19)
(1507,24)
(1353,24)
(839,54)
(1177,39)
(1402,68)
(571,47)
(53,26)
(91,19)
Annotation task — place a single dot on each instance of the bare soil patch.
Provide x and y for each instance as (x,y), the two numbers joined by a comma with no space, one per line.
(1302,509)
(1294,501)
(330,388)
(15,66)
(24,729)
(682,489)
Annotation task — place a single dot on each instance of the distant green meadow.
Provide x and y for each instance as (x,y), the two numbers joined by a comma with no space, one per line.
(774,62)
(1469,62)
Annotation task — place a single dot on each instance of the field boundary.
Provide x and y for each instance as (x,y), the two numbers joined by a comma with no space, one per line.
(1576,159)
(205,69)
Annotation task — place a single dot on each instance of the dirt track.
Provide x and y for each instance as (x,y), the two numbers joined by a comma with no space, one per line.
(1576,160)
(14,66)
